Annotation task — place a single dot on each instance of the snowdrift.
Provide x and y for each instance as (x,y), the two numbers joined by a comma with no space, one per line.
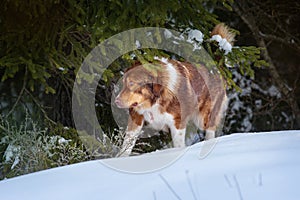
(240,166)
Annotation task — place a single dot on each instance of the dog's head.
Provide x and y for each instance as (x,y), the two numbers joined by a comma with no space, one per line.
(140,89)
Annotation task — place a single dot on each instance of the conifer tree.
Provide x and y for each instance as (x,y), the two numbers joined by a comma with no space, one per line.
(43,43)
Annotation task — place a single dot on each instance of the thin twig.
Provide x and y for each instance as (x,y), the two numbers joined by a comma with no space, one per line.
(41,108)
(20,94)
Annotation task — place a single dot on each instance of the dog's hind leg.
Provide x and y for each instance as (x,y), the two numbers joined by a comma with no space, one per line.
(209,134)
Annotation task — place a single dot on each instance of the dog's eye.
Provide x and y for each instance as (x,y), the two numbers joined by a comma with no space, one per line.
(130,83)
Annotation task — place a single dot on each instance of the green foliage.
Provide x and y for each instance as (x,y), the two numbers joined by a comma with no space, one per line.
(53,37)
(243,58)
(43,38)
(111,17)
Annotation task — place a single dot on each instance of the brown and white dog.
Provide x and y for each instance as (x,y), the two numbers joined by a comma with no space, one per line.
(167,96)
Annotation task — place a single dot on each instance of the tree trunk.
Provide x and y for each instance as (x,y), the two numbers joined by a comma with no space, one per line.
(241,9)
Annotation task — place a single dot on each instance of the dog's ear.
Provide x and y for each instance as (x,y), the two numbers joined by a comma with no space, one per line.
(147,80)
(157,89)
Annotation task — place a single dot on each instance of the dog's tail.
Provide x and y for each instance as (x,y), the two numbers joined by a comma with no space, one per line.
(224,32)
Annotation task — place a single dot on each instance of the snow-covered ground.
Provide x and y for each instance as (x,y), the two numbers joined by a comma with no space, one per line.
(240,166)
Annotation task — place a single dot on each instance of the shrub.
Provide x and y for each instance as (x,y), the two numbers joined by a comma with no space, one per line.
(28,148)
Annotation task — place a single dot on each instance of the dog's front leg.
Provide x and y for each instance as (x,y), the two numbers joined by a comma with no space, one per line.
(135,124)
(178,137)
(129,141)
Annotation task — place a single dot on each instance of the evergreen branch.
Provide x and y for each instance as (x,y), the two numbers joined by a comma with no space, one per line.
(3,128)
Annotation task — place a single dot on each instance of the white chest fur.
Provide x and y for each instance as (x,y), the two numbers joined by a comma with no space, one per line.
(156,119)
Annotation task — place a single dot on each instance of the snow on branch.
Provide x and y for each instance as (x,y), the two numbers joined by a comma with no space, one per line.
(222,34)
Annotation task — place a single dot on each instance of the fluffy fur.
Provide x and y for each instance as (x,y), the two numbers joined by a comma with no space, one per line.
(168,95)
(224,32)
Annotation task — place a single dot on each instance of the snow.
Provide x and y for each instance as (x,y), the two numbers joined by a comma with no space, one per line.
(286,117)
(240,166)
(12,152)
(258,103)
(16,161)
(137,44)
(195,37)
(63,141)
(8,154)
(217,38)
(195,34)
(168,34)
(228,63)
(223,43)
(274,92)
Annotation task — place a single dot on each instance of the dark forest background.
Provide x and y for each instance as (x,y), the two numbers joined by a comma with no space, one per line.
(43,44)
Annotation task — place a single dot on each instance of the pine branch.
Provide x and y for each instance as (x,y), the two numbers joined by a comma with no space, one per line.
(3,128)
